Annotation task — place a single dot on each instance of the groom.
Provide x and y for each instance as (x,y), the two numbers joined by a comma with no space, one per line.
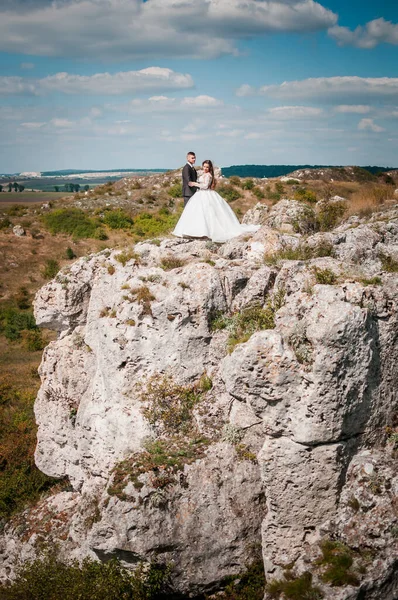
(189,174)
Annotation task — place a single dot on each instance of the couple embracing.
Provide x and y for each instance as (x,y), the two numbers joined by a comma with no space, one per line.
(206,214)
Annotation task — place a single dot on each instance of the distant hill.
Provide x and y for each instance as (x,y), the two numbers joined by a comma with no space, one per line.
(65,172)
(279,170)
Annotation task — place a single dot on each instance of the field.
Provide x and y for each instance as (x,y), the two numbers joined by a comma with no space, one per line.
(7,198)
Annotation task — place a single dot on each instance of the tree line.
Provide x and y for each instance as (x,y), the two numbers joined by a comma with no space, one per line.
(17,187)
(71,187)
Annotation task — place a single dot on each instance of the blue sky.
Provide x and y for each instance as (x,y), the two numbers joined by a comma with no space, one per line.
(123,83)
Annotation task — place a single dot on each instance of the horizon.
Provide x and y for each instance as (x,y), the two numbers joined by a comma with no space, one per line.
(133,169)
(281,82)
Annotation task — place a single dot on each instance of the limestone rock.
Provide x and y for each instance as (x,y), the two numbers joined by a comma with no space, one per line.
(18,230)
(294,422)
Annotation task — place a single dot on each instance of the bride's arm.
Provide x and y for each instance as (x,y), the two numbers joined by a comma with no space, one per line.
(206,183)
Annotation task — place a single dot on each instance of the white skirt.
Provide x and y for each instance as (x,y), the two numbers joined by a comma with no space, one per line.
(209,215)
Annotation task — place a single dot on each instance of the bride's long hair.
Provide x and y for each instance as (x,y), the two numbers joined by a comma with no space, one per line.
(211,171)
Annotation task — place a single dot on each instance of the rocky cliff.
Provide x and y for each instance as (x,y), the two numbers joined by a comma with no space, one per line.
(206,405)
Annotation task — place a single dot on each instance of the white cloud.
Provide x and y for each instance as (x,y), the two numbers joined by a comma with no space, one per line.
(17,86)
(32,125)
(369,125)
(162,104)
(201,102)
(329,88)
(62,123)
(114,29)
(127,82)
(295,112)
(246,90)
(122,83)
(372,34)
(360,109)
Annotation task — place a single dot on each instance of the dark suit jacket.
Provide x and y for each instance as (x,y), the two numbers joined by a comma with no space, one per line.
(188,174)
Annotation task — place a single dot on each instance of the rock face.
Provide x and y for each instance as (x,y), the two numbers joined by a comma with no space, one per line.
(289,431)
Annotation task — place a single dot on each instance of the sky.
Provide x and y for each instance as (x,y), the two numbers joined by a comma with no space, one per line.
(107,84)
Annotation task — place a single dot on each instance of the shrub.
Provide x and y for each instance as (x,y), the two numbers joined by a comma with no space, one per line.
(294,588)
(308,221)
(235,180)
(22,298)
(338,561)
(34,340)
(388,263)
(14,321)
(371,281)
(117,219)
(143,296)
(279,187)
(175,191)
(161,460)
(20,480)
(228,192)
(5,223)
(150,225)
(258,193)
(248,184)
(246,586)
(302,252)
(330,214)
(168,405)
(69,253)
(17,210)
(51,579)
(243,324)
(50,269)
(126,256)
(72,221)
(325,276)
(304,195)
(168,263)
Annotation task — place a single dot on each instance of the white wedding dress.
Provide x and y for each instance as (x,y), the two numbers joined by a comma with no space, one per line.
(209,215)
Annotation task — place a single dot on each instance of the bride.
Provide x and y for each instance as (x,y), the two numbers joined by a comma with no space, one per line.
(209,215)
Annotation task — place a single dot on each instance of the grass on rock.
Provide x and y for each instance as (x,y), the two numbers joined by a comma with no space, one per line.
(50,578)
(244,323)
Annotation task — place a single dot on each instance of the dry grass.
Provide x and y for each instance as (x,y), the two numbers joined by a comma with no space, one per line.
(369,198)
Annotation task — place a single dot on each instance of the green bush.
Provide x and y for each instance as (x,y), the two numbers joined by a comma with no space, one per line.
(229,193)
(235,180)
(150,225)
(72,221)
(117,219)
(22,298)
(247,586)
(175,191)
(20,482)
(388,263)
(248,184)
(330,214)
(5,223)
(304,195)
(14,321)
(258,193)
(69,253)
(294,588)
(34,340)
(338,560)
(325,276)
(49,578)
(51,268)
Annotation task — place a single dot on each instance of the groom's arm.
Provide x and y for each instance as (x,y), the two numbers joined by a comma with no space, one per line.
(186,178)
